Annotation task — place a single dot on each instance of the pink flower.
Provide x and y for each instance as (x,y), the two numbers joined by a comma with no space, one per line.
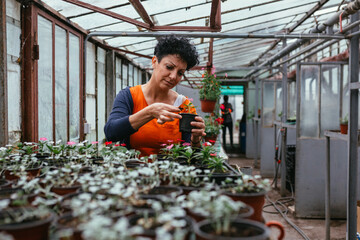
(43,139)
(213,70)
(213,154)
(94,142)
(202,68)
(163,145)
(191,99)
(222,106)
(170,146)
(225,74)
(71,143)
(214,75)
(186,144)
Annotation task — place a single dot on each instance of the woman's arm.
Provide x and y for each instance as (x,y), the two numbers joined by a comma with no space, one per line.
(118,127)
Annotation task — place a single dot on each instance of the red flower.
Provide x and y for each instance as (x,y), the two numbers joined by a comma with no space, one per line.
(213,154)
(206,144)
(123,145)
(212,142)
(108,143)
(180,140)
(222,106)
(219,120)
(117,145)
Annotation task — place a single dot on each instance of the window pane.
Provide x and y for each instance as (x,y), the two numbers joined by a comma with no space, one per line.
(74,99)
(268,104)
(101,94)
(118,75)
(309,106)
(292,100)
(125,82)
(278,108)
(136,76)
(131,75)
(45,103)
(330,97)
(60,84)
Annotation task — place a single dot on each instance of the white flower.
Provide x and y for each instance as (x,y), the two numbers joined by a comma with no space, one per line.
(4,203)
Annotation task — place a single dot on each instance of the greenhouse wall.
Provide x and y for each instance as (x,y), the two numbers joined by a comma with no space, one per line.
(13,30)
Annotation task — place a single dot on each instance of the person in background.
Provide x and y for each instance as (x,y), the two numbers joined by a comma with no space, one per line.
(226,110)
(146,117)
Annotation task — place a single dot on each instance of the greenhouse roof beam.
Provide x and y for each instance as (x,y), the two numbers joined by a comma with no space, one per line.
(350,8)
(109,13)
(215,14)
(142,12)
(293,27)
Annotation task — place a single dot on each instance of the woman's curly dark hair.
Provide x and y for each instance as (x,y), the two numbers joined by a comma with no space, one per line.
(177,45)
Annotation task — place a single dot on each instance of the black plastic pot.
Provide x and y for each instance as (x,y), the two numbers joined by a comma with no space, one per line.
(185,121)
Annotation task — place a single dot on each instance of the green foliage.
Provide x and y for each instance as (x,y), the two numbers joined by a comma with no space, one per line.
(210,87)
(344,120)
(212,125)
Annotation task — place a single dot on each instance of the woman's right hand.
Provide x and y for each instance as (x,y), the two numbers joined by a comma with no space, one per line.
(164,112)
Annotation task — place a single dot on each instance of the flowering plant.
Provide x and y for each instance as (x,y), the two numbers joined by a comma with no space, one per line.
(187,107)
(213,125)
(210,88)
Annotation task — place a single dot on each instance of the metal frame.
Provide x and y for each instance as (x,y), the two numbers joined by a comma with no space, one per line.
(3,77)
(30,75)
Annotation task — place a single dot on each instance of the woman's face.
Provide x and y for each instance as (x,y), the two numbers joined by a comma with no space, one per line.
(169,71)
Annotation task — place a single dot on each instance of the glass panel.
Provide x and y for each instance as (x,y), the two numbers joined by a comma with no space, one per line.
(268,104)
(101,94)
(118,75)
(131,75)
(278,109)
(74,91)
(60,84)
(292,100)
(309,106)
(45,86)
(345,92)
(330,95)
(136,76)
(125,81)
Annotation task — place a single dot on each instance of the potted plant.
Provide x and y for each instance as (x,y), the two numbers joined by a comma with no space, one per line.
(250,190)
(344,124)
(187,116)
(25,223)
(213,125)
(210,91)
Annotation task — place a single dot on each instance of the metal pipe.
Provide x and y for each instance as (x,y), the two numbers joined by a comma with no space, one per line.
(283,133)
(349,9)
(217,35)
(327,190)
(256,122)
(353,135)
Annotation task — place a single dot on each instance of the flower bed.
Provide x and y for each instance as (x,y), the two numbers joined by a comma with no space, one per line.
(113,199)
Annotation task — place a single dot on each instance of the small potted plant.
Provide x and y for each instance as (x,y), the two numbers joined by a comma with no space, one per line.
(250,190)
(212,127)
(344,124)
(187,116)
(210,91)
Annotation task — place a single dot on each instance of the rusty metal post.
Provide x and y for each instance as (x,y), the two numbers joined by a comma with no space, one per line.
(3,77)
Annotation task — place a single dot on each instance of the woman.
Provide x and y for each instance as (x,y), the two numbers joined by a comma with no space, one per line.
(146,116)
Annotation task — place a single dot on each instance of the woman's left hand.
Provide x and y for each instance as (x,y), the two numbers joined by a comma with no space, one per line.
(198,132)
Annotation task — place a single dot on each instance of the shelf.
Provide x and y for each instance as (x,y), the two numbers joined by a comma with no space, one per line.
(337,135)
(355,85)
(256,119)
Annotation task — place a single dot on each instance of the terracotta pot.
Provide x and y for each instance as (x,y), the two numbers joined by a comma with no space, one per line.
(161,191)
(30,230)
(65,190)
(255,200)
(31,173)
(210,138)
(343,128)
(68,221)
(208,106)
(242,229)
(184,123)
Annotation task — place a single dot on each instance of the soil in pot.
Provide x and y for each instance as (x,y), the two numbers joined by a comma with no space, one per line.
(184,123)
(65,190)
(343,128)
(239,229)
(161,191)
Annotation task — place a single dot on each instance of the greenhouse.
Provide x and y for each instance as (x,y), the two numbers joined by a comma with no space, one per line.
(201,119)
